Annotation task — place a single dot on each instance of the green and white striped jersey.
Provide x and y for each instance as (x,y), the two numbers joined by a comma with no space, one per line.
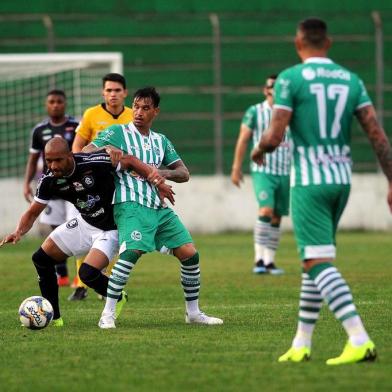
(257,118)
(154,149)
(323,97)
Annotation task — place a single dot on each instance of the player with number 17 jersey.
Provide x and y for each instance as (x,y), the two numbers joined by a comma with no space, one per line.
(325,96)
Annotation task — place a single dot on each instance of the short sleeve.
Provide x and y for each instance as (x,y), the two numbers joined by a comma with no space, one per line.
(250,117)
(109,136)
(170,154)
(43,193)
(36,143)
(283,91)
(363,96)
(84,128)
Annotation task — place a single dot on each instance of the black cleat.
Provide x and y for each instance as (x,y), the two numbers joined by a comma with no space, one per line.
(78,295)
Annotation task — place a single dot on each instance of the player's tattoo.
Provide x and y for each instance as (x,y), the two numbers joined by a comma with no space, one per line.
(368,120)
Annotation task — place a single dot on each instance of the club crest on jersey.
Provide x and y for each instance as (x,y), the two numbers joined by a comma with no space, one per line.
(136,235)
(88,181)
(89,203)
(78,186)
(72,224)
(263,195)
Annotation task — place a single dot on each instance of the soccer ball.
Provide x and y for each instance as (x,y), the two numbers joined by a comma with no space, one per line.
(35,312)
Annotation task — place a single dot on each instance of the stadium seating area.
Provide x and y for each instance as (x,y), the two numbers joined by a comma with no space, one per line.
(170,45)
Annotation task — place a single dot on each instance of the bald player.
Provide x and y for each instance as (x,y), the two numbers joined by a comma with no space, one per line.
(85,180)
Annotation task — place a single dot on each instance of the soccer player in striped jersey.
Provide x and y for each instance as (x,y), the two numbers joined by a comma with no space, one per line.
(271,181)
(319,98)
(144,223)
(94,120)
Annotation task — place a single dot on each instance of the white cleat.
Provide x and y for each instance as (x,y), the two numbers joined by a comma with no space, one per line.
(107,321)
(202,318)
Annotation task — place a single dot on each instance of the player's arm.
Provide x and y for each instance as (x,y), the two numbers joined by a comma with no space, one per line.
(239,153)
(129,162)
(378,139)
(25,223)
(273,136)
(79,143)
(176,172)
(31,169)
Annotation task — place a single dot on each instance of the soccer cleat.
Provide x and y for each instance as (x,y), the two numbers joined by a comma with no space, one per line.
(121,303)
(107,321)
(58,322)
(63,281)
(300,354)
(352,354)
(78,295)
(202,318)
(259,267)
(273,269)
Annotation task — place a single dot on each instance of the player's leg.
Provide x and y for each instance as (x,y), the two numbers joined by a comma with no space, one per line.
(281,186)
(44,260)
(136,230)
(54,215)
(264,196)
(172,234)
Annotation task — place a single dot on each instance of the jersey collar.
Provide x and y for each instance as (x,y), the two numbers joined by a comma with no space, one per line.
(318,60)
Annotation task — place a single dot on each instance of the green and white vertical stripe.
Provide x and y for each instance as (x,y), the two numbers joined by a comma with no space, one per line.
(321,165)
(277,162)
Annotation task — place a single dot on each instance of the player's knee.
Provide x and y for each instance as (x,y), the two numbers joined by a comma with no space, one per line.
(43,262)
(88,273)
(190,261)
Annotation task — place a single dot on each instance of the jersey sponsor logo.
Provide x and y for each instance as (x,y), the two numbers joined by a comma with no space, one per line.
(72,224)
(64,188)
(97,213)
(308,73)
(78,186)
(48,210)
(46,131)
(61,181)
(46,137)
(69,129)
(157,151)
(284,91)
(136,235)
(88,181)
(89,203)
(333,73)
(147,146)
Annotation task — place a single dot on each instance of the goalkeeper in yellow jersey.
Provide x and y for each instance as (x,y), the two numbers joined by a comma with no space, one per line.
(96,119)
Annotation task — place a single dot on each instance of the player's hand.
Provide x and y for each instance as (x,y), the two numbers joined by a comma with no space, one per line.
(13,237)
(237,177)
(155,178)
(28,193)
(257,155)
(115,154)
(165,192)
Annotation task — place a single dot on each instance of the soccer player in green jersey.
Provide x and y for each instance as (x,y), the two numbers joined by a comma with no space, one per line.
(144,223)
(271,181)
(319,98)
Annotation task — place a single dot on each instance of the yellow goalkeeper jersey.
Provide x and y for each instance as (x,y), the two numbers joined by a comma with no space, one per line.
(97,118)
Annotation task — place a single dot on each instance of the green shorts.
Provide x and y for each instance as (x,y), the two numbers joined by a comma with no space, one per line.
(272,191)
(147,229)
(316,211)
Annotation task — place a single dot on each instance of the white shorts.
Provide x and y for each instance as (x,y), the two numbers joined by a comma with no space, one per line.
(57,212)
(77,237)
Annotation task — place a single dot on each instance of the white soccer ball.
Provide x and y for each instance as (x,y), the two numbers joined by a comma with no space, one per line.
(35,312)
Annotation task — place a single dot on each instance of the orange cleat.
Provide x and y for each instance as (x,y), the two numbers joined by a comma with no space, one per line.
(63,281)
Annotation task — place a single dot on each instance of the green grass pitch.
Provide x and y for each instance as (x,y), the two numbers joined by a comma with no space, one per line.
(152,348)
